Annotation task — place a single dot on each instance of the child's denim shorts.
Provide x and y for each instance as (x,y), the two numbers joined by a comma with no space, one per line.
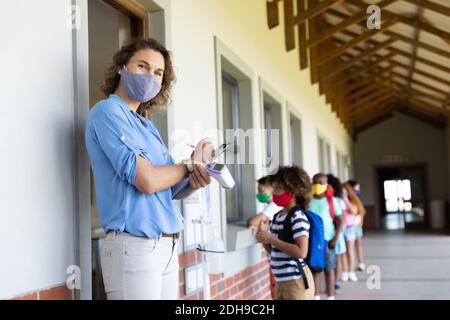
(330,262)
(350,233)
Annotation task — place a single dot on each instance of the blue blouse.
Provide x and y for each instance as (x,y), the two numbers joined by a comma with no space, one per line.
(115,135)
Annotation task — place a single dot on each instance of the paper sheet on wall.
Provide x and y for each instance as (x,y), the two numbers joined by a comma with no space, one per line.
(191,211)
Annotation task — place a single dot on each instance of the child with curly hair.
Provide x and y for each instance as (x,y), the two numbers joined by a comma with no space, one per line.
(292,191)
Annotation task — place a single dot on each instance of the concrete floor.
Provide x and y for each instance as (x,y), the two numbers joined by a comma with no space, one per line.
(412,266)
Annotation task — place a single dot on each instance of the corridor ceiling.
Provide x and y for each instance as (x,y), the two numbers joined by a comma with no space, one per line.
(367,74)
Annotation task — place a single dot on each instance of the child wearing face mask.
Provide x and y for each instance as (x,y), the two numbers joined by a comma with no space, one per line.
(289,248)
(340,250)
(350,212)
(319,205)
(361,212)
(264,195)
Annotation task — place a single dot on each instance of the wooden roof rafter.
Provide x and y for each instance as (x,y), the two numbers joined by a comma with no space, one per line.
(364,71)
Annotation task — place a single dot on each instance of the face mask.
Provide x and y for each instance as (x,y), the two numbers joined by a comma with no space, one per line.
(358,192)
(262,197)
(345,194)
(282,200)
(319,188)
(330,191)
(140,87)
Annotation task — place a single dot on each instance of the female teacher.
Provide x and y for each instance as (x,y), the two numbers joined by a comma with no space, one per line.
(134,172)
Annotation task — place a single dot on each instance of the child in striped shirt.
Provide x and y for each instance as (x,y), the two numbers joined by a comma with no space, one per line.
(292,191)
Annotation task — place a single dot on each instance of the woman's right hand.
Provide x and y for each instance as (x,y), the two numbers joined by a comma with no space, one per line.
(199,178)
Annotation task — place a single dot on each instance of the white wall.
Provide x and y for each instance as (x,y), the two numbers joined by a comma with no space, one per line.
(402,135)
(36,123)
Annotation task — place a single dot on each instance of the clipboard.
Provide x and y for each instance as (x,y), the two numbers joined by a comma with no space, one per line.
(181,190)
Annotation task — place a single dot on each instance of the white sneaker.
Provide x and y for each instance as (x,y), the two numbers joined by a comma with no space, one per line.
(352,277)
(361,266)
(344,276)
(331,298)
(317,297)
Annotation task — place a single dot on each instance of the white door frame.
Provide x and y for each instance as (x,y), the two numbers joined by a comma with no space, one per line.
(80,45)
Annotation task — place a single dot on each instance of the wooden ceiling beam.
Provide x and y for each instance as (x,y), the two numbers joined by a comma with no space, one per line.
(437,121)
(302,38)
(403,53)
(369,100)
(400,36)
(380,109)
(422,104)
(364,90)
(425,74)
(430,110)
(360,82)
(414,53)
(401,86)
(422,60)
(362,37)
(375,109)
(313,52)
(409,21)
(273,16)
(315,10)
(432,6)
(289,24)
(362,69)
(421,45)
(344,24)
(419,83)
(370,52)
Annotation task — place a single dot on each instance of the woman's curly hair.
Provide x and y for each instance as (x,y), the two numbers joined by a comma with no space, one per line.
(296,181)
(123,56)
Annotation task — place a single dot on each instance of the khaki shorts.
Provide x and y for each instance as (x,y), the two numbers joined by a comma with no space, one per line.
(295,289)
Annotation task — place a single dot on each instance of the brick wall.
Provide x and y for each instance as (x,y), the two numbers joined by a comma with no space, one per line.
(60,292)
(252,283)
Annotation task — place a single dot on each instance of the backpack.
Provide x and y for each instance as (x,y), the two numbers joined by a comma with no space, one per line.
(316,242)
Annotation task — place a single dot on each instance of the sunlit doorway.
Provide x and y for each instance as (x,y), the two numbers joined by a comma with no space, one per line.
(402,197)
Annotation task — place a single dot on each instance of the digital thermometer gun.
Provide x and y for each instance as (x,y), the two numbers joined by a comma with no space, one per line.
(219,171)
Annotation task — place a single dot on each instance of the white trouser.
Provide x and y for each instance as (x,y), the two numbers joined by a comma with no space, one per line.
(136,268)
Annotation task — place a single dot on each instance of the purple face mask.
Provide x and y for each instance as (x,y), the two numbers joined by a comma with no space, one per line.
(140,87)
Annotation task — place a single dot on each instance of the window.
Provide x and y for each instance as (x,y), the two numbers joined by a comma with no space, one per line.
(342,166)
(339,168)
(268,125)
(324,156)
(231,120)
(346,167)
(327,158)
(273,125)
(236,122)
(296,140)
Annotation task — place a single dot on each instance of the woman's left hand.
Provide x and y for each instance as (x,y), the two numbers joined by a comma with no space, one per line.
(199,178)
(264,237)
(203,151)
